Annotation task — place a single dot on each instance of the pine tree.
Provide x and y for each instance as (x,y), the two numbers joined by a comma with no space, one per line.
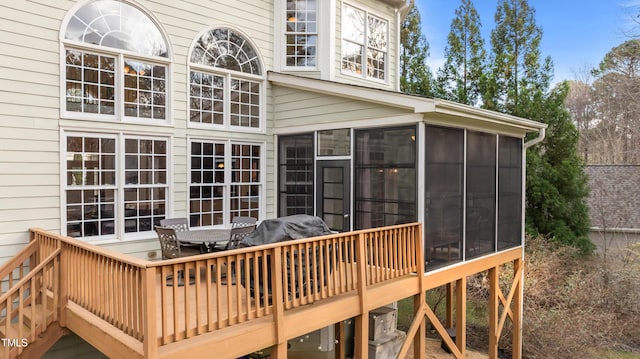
(519,85)
(460,78)
(517,73)
(415,75)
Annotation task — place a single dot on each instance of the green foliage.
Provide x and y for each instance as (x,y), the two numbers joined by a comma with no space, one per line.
(516,80)
(415,75)
(460,78)
(556,183)
(516,70)
(519,85)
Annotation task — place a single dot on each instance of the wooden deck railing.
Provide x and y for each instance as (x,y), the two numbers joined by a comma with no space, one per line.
(158,303)
(30,300)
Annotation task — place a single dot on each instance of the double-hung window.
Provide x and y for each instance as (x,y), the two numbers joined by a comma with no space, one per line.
(116,184)
(364,44)
(115,65)
(301,33)
(226,86)
(225,181)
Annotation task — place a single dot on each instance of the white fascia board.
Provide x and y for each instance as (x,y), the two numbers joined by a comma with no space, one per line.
(460,110)
(400,120)
(354,92)
(416,104)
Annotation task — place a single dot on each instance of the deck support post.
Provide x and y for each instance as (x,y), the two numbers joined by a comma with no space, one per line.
(517,308)
(63,284)
(150,343)
(341,347)
(361,346)
(420,302)
(279,351)
(461,315)
(449,297)
(494,307)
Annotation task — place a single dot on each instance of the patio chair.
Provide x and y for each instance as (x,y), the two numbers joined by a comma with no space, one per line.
(242,221)
(171,248)
(180,225)
(235,236)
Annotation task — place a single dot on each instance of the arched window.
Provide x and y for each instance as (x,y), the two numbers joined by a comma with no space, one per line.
(116,63)
(226,81)
(116,67)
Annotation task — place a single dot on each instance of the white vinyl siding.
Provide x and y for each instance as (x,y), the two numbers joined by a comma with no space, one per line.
(31,101)
(298,108)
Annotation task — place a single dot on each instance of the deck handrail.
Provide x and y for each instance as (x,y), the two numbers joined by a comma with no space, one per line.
(33,288)
(200,294)
(17,267)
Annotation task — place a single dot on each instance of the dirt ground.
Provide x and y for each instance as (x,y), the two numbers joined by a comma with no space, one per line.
(435,352)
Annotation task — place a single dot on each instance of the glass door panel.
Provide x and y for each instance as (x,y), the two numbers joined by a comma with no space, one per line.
(334,196)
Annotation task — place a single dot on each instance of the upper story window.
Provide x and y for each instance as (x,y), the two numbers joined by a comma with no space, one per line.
(301,33)
(116,64)
(364,44)
(226,81)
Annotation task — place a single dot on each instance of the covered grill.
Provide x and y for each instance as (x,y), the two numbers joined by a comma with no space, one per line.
(280,230)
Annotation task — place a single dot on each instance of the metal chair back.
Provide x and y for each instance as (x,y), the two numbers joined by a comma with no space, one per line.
(242,221)
(168,242)
(179,224)
(237,234)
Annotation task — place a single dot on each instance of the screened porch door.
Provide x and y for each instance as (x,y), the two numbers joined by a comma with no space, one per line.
(334,194)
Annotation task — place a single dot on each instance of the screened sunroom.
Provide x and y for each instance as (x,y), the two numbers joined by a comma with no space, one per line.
(456,169)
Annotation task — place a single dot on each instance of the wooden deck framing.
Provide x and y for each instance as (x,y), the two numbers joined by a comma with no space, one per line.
(249,299)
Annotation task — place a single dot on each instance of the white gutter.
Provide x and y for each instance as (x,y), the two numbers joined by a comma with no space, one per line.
(541,135)
(401,13)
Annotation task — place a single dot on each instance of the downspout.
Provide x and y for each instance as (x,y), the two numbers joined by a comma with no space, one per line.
(401,13)
(541,135)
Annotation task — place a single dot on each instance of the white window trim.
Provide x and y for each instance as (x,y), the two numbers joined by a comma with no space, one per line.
(119,235)
(283,37)
(364,76)
(226,122)
(227,174)
(119,56)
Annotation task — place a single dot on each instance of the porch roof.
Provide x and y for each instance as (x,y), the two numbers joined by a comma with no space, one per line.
(414,103)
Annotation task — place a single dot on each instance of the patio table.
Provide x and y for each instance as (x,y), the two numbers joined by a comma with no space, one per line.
(207,237)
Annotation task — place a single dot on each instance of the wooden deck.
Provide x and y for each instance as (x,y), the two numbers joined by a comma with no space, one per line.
(238,301)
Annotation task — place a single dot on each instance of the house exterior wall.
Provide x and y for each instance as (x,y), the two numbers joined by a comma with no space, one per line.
(33,124)
(293,107)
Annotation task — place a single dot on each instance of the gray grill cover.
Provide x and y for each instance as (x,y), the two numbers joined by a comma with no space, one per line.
(285,229)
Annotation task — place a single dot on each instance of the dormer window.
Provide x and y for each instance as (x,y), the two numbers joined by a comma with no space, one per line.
(364,36)
(301,33)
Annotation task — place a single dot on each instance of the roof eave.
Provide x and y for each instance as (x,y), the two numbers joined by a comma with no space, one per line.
(360,93)
(400,100)
(457,109)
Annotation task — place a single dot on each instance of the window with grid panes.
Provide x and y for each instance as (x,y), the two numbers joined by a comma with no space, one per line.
(225,181)
(225,81)
(301,33)
(102,78)
(100,202)
(364,43)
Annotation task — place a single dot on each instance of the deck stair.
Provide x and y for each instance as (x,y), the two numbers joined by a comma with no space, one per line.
(29,303)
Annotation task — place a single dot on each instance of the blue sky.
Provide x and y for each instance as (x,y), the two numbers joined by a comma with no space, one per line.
(576,33)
